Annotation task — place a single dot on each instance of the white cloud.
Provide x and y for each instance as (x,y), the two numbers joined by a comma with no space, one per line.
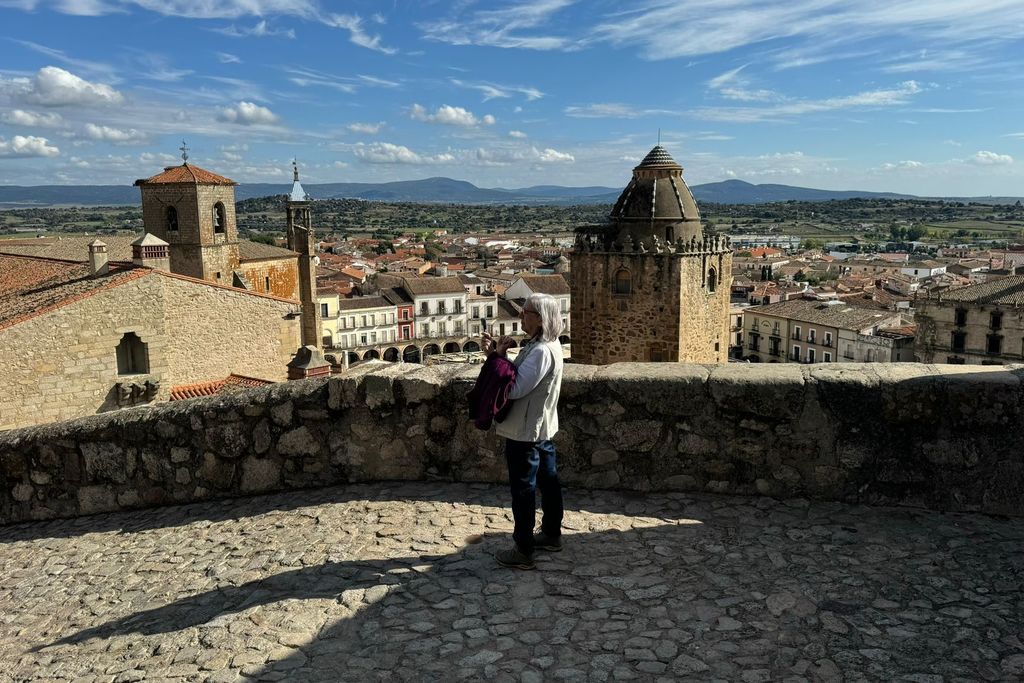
(260,30)
(382,82)
(388,153)
(55,87)
(517,134)
(340,164)
(247,114)
(357,34)
(228,58)
(21,146)
(366,128)
(612,110)
(885,97)
(161,158)
(991,159)
(494,91)
(553,156)
(129,136)
(234,152)
(952,143)
(507,27)
(907,165)
(20,117)
(450,116)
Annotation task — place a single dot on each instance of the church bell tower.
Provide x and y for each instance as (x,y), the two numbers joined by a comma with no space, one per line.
(300,239)
(650,285)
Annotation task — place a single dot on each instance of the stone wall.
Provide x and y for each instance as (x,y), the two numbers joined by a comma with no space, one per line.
(283,274)
(936,323)
(63,365)
(669,309)
(941,437)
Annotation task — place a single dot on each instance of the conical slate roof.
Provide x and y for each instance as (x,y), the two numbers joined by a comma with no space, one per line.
(657,202)
(659,158)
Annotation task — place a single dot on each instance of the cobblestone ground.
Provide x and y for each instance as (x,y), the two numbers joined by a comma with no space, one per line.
(397,582)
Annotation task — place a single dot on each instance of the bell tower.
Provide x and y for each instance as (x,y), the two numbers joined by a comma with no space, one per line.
(650,285)
(193,211)
(300,239)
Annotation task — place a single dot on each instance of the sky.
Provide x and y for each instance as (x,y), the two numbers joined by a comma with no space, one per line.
(916,96)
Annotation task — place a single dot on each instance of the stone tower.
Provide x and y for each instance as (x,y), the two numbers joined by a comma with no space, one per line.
(649,285)
(193,210)
(300,239)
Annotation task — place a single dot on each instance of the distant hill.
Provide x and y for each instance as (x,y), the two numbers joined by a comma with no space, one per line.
(740,192)
(447,190)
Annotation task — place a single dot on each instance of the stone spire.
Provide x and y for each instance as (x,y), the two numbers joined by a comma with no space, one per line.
(297,194)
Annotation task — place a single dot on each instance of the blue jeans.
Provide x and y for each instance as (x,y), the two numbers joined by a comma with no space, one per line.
(532,466)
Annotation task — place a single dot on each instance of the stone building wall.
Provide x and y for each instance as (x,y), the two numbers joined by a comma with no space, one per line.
(221,330)
(669,308)
(283,274)
(935,436)
(63,365)
(935,326)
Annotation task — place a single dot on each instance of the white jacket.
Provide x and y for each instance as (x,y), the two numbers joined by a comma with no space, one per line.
(534,413)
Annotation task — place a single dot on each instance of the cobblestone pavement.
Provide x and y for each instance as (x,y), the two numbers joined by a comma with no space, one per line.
(397,582)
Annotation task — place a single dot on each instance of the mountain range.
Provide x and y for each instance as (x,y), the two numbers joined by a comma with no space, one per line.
(449,191)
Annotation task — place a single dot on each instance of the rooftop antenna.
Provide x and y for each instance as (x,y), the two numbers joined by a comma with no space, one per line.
(184,151)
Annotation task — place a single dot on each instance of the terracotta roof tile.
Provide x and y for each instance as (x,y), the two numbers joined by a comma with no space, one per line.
(230,383)
(546,284)
(30,286)
(185,174)
(1007,290)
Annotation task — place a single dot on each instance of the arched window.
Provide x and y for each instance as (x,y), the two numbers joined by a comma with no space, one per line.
(623,283)
(219,218)
(712,280)
(172,219)
(132,358)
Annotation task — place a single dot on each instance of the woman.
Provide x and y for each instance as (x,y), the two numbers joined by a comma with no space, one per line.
(528,429)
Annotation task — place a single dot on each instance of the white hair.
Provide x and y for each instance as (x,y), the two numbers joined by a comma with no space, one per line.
(550,317)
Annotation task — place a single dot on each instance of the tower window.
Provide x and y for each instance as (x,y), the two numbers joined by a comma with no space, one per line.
(172,219)
(623,283)
(712,280)
(131,355)
(219,218)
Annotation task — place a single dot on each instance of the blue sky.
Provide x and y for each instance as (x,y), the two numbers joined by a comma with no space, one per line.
(918,96)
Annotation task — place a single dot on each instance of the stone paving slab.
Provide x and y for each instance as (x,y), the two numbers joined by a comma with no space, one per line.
(397,582)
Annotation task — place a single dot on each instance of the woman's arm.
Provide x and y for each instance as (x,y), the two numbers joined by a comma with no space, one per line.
(534,368)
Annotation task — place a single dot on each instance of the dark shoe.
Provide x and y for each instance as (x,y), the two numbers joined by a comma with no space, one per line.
(515,559)
(541,541)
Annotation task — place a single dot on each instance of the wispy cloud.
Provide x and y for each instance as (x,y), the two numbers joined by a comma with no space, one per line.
(733,85)
(450,116)
(382,82)
(494,91)
(305,78)
(366,128)
(509,27)
(357,33)
(613,110)
(260,29)
(228,58)
(89,67)
(885,97)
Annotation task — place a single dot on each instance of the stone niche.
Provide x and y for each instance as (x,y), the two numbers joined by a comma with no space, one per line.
(943,437)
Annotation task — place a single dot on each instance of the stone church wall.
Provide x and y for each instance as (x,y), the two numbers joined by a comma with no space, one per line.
(933,436)
(62,364)
(283,274)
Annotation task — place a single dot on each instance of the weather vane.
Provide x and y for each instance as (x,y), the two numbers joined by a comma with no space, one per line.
(295,169)
(659,136)
(184,151)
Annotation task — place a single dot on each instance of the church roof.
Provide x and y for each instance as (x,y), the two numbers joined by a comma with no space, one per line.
(186,174)
(254,251)
(149,240)
(119,248)
(659,158)
(30,286)
(297,193)
(1007,291)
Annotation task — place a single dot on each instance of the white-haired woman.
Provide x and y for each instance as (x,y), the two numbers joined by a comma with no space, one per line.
(528,429)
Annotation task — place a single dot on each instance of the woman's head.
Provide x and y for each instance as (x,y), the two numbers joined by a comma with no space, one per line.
(541,315)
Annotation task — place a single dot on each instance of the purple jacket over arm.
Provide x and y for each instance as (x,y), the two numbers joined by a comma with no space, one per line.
(488,399)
